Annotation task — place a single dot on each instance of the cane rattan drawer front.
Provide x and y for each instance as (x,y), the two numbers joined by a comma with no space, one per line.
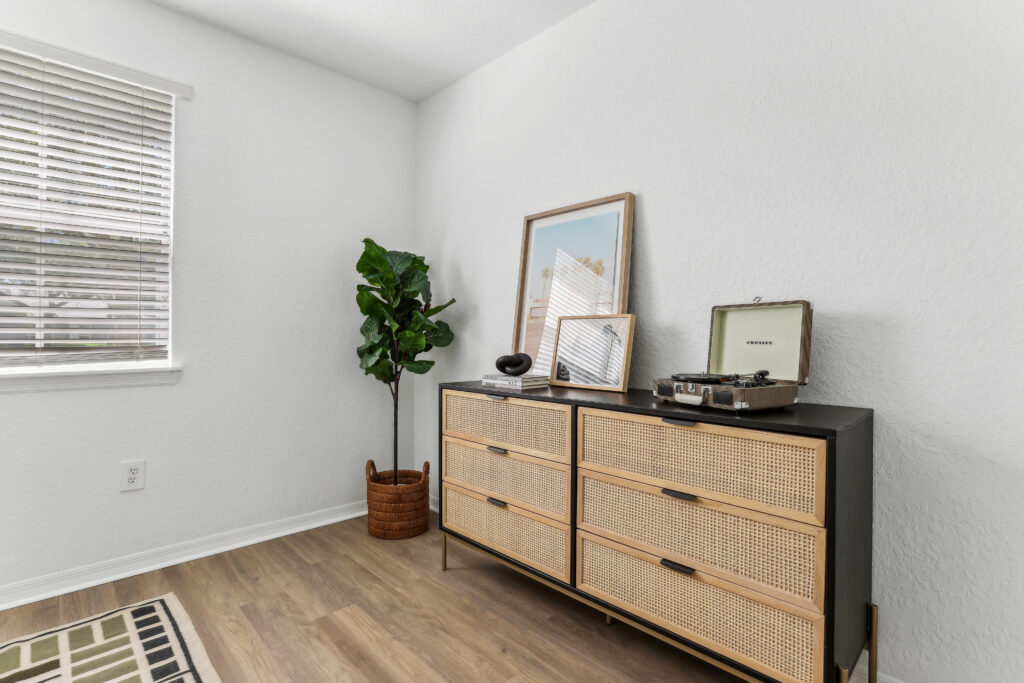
(527,482)
(533,539)
(780,474)
(537,428)
(762,552)
(770,636)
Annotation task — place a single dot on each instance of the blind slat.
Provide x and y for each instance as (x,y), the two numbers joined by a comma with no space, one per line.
(98,315)
(66,220)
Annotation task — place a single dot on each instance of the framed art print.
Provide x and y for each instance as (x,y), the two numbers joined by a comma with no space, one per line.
(574,261)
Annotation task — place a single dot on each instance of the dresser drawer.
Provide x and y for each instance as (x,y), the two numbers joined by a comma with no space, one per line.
(532,539)
(779,474)
(532,427)
(534,484)
(770,636)
(762,552)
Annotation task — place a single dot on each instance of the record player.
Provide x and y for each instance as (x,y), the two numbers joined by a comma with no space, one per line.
(758,356)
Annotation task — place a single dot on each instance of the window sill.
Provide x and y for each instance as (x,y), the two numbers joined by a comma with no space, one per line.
(22,380)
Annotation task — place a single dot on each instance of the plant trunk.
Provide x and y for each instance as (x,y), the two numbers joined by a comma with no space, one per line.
(395,434)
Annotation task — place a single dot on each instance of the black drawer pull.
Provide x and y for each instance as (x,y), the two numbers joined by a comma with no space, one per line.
(495,449)
(501,504)
(676,567)
(679,494)
(496,398)
(681,423)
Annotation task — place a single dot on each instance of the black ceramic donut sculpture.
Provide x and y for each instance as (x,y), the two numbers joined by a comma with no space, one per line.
(514,365)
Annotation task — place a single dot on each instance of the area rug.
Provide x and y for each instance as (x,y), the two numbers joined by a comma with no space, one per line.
(149,642)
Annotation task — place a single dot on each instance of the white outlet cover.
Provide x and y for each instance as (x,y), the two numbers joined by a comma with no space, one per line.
(133,475)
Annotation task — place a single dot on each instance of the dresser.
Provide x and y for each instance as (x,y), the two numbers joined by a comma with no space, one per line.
(744,540)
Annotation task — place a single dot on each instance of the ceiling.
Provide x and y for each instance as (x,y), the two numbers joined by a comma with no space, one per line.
(412,48)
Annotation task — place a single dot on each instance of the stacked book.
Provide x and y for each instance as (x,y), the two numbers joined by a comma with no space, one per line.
(521,382)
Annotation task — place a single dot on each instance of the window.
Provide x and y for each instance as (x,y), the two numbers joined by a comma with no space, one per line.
(85,215)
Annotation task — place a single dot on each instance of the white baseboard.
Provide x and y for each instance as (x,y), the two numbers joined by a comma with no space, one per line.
(70,580)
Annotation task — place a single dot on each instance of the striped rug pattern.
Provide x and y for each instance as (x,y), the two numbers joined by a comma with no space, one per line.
(150,642)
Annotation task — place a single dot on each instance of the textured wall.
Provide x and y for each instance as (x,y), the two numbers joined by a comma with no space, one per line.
(282,167)
(864,155)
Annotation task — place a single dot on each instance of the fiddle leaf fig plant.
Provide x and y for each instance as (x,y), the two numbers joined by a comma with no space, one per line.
(399,321)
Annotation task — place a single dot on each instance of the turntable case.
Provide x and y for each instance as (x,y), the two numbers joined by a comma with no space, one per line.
(773,336)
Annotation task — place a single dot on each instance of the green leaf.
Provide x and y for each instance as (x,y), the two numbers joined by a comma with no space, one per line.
(399,261)
(410,342)
(425,293)
(368,288)
(419,263)
(420,322)
(414,281)
(365,347)
(373,262)
(372,329)
(441,335)
(373,265)
(369,304)
(384,370)
(405,307)
(438,309)
(389,315)
(370,357)
(418,367)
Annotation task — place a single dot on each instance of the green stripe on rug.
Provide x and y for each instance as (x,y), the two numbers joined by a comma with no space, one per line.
(111,673)
(102,661)
(100,649)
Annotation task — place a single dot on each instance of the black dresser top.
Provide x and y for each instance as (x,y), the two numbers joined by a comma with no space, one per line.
(812,419)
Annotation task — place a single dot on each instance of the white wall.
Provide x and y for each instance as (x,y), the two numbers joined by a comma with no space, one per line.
(282,168)
(864,155)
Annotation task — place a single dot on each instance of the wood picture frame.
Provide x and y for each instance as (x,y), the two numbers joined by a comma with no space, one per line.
(562,232)
(590,339)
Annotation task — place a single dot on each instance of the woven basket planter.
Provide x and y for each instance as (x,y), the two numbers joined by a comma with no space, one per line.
(399,511)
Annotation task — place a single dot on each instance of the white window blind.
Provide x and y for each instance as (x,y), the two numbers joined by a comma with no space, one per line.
(85,211)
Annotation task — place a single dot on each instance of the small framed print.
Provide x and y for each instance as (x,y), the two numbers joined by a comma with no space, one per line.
(593,352)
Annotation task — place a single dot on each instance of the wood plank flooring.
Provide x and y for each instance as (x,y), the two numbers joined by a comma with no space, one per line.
(333,604)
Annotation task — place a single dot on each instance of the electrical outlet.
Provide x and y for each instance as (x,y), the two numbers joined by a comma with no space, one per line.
(133,475)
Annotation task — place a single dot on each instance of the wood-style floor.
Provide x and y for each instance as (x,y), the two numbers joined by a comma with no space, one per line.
(334,604)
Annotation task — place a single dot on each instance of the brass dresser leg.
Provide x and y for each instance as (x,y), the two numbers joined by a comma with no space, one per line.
(444,551)
(844,675)
(873,647)
(607,618)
